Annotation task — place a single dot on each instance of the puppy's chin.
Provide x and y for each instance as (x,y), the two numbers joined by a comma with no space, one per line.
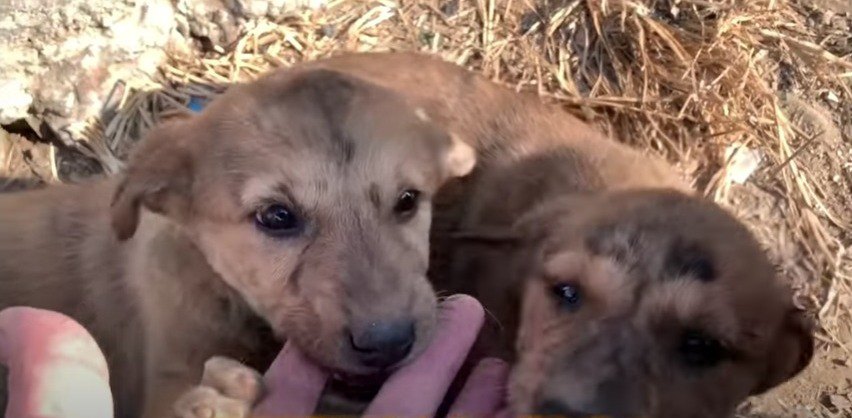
(360,388)
(350,370)
(363,381)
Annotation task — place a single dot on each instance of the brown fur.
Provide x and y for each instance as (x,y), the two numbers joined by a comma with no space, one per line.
(550,201)
(619,353)
(553,201)
(182,273)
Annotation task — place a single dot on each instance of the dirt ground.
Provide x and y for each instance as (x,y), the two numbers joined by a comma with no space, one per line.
(825,388)
(28,157)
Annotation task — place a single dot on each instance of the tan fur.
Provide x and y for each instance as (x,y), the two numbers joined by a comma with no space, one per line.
(551,200)
(182,273)
(619,354)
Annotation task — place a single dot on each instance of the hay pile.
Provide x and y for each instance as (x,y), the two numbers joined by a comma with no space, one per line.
(683,78)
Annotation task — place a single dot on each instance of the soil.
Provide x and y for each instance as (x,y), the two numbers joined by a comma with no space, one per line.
(824,389)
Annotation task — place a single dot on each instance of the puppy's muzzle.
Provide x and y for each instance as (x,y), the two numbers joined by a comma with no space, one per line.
(618,396)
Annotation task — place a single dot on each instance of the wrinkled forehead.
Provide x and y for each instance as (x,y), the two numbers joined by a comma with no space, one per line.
(651,218)
(316,177)
(375,141)
(695,264)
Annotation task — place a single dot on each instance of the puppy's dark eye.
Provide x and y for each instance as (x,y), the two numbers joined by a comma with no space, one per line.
(568,296)
(699,267)
(277,220)
(692,262)
(701,351)
(407,202)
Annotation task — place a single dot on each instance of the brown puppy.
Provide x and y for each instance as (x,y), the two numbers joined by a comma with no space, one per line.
(617,290)
(289,205)
(626,303)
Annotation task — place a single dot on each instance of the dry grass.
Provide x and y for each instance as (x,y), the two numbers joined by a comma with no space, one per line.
(682,78)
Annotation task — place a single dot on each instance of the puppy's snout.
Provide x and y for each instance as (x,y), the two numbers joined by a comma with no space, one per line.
(382,344)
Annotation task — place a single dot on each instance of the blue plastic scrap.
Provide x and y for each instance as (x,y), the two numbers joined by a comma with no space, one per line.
(196,104)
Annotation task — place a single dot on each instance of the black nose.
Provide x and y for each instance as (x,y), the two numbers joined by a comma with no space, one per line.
(383,343)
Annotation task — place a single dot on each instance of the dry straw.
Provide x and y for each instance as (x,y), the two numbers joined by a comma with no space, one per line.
(682,78)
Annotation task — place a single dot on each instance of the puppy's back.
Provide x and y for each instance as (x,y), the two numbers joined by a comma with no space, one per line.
(43,237)
(52,244)
(503,125)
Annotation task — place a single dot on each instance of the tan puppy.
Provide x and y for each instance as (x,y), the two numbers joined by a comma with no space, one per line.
(287,208)
(627,303)
(617,290)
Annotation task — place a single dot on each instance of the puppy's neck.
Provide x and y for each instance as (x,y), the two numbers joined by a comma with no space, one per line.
(177,286)
(169,251)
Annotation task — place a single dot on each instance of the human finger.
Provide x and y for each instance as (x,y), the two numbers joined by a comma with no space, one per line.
(55,367)
(293,385)
(418,388)
(484,392)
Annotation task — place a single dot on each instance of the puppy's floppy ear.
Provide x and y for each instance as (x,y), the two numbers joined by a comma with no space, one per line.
(792,351)
(460,157)
(538,223)
(158,177)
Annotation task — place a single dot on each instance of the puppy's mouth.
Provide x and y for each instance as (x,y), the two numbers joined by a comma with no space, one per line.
(362,379)
(364,383)
(367,376)
(360,387)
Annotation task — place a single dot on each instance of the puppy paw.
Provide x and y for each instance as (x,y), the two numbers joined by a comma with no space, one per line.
(233,379)
(206,402)
(228,390)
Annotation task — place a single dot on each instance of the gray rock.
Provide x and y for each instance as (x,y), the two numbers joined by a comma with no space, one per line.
(210,19)
(272,9)
(15,99)
(62,57)
(222,21)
